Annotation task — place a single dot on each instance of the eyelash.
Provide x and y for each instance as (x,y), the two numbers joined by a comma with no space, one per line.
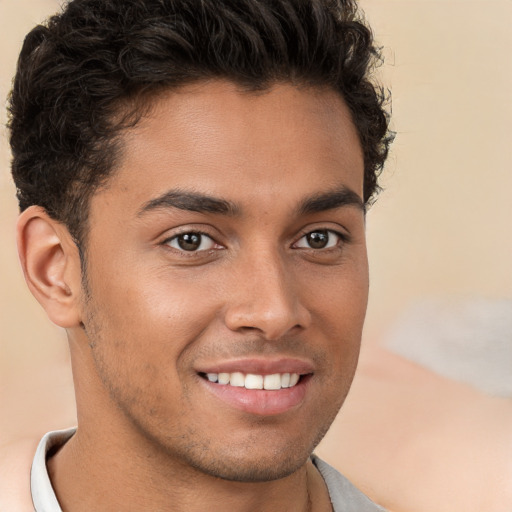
(342,239)
(182,251)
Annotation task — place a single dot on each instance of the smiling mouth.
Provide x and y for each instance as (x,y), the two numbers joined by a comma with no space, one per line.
(272,382)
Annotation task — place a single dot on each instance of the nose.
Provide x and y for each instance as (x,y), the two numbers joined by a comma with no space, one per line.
(265,298)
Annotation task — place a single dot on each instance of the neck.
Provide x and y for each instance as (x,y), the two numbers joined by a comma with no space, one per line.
(100,479)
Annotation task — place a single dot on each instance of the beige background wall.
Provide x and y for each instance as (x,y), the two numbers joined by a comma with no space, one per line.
(442,228)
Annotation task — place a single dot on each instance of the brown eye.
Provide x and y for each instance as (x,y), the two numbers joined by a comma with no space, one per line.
(191,242)
(319,239)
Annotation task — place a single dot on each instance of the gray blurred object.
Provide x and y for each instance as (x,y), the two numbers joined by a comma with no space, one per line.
(466,340)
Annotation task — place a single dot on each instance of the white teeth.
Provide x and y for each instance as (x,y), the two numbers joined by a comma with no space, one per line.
(272,381)
(224,378)
(275,381)
(237,379)
(253,381)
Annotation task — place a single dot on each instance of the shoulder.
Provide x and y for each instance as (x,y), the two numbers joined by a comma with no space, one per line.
(344,495)
(414,440)
(15,463)
(23,460)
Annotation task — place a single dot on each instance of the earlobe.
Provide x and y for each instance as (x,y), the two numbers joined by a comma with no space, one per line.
(51,265)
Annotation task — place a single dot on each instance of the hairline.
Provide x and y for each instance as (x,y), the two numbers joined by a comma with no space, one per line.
(129,111)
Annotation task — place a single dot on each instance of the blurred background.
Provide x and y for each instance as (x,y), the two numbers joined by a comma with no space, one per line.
(440,234)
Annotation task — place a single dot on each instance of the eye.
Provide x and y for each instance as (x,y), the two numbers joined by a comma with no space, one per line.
(191,242)
(319,239)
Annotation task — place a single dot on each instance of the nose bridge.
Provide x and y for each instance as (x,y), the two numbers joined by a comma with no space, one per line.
(265,296)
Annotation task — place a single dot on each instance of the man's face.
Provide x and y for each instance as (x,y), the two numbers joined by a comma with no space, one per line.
(229,244)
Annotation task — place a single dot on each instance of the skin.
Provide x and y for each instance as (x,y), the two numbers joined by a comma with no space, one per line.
(150,317)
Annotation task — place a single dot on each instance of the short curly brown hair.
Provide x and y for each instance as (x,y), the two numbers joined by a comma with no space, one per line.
(81,75)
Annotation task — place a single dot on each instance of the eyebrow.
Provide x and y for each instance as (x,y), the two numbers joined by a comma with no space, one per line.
(190,201)
(203,203)
(331,200)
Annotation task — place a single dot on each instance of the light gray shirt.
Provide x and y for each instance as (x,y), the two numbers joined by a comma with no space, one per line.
(344,496)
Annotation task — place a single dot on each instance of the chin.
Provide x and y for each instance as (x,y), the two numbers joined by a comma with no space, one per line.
(264,469)
(256,458)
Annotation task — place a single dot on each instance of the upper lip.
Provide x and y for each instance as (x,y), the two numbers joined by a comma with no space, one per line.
(259,366)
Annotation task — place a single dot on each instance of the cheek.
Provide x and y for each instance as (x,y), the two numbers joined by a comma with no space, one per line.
(339,301)
(339,308)
(144,323)
(153,300)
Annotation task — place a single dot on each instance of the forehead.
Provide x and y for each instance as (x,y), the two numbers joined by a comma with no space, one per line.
(217,139)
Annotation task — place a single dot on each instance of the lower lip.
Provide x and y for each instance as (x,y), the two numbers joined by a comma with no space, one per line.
(260,401)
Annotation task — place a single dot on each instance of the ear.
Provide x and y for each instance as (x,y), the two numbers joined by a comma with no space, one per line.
(51,265)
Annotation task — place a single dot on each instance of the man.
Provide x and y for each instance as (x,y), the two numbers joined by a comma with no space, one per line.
(193,179)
